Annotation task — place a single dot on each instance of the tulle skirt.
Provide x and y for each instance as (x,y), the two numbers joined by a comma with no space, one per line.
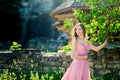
(78,70)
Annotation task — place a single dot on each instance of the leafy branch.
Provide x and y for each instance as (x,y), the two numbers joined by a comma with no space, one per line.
(102,21)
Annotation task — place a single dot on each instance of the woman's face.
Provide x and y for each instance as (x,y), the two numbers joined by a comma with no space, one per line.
(79,30)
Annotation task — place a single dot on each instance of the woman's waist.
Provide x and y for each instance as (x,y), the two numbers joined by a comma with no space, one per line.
(83,60)
(81,54)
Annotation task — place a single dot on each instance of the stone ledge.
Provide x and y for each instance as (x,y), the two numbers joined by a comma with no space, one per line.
(37,60)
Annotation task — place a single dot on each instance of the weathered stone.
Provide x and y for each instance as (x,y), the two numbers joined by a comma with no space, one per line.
(65,65)
(102,72)
(91,64)
(36,60)
(104,65)
(100,53)
(61,52)
(118,66)
(98,66)
(116,58)
(103,59)
(55,64)
(29,60)
(90,58)
(97,60)
(24,56)
(100,63)
(111,65)
(91,53)
(108,71)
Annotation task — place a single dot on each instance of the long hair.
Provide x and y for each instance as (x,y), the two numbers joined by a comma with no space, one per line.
(74,34)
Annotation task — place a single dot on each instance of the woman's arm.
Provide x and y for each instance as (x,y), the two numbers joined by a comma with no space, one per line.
(73,53)
(98,47)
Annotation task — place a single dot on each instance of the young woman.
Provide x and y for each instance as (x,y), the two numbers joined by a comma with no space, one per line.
(79,68)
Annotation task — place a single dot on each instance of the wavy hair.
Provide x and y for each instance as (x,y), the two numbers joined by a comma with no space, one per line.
(74,34)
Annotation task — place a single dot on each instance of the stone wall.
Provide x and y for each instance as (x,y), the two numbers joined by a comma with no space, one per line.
(102,62)
(20,60)
(105,61)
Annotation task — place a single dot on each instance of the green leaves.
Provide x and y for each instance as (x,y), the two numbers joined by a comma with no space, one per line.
(68,23)
(77,0)
(117,26)
(94,11)
(66,48)
(54,75)
(77,13)
(103,21)
(84,17)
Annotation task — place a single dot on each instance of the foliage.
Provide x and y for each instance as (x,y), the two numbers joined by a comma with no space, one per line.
(111,76)
(15,46)
(68,23)
(54,75)
(66,48)
(92,75)
(102,20)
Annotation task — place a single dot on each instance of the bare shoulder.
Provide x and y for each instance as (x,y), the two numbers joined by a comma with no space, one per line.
(87,41)
(74,41)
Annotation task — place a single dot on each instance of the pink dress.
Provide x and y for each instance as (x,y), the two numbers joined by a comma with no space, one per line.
(79,69)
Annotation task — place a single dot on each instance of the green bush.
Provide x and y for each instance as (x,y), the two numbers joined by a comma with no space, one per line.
(51,75)
(15,46)
(66,47)
(101,21)
(111,76)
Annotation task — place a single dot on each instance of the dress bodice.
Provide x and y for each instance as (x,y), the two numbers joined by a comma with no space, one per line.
(82,49)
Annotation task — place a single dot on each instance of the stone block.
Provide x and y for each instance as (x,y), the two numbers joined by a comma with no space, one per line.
(65,65)
(111,65)
(91,53)
(104,65)
(108,71)
(34,65)
(100,53)
(97,60)
(91,64)
(36,60)
(103,59)
(118,66)
(90,58)
(53,64)
(98,66)
(29,60)
(102,72)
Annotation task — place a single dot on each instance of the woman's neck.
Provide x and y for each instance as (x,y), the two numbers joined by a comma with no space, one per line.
(81,37)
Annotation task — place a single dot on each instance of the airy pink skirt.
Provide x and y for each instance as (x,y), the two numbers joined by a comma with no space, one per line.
(78,70)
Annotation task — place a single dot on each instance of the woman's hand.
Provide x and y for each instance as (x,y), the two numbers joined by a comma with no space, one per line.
(84,57)
(97,48)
